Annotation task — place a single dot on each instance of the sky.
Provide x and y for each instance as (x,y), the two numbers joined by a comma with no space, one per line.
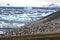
(29,3)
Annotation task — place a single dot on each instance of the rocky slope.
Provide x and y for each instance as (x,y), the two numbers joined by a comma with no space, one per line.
(46,25)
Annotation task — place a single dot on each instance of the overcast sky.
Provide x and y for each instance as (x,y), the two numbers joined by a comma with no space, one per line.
(28,2)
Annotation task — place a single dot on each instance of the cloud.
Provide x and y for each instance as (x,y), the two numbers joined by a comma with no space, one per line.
(54,1)
(23,2)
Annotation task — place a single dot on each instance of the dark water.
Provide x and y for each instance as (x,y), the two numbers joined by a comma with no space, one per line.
(14,17)
(11,17)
